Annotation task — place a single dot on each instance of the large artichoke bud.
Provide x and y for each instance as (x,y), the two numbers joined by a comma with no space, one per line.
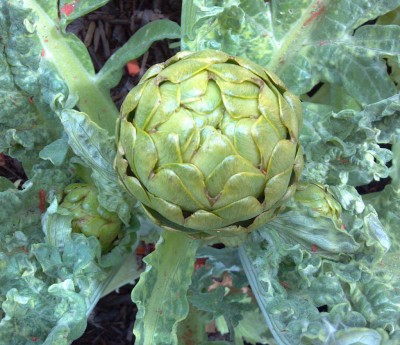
(89,218)
(208,143)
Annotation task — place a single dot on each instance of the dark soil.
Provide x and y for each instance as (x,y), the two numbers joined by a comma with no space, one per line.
(111,322)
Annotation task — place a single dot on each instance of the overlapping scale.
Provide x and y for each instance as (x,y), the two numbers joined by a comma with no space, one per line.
(240,186)
(232,73)
(239,108)
(212,119)
(186,69)
(246,89)
(181,185)
(143,147)
(237,211)
(231,166)
(208,143)
(244,141)
(167,104)
(145,110)
(266,137)
(167,147)
(206,103)
(194,87)
(213,149)
(180,123)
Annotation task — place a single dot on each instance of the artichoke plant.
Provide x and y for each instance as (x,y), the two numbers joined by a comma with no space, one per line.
(89,218)
(208,143)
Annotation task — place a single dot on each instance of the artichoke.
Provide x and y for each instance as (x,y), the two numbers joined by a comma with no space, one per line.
(319,199)
(208,143)
(89,218)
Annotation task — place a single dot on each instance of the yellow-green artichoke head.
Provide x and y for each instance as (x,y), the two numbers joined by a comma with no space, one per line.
(208,143)
(89,218)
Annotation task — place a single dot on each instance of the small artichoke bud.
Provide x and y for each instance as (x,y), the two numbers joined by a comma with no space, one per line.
(208,143)
(90,218)
(319,199)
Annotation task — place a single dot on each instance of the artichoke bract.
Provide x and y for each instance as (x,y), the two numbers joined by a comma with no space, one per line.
(208,143)
(89,218)
(319,199)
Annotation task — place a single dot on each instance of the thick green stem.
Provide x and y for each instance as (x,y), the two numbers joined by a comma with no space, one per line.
(93,100)
(160,294)
(187,21)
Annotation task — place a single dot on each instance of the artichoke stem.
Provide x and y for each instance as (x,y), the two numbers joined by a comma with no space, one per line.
(160,294)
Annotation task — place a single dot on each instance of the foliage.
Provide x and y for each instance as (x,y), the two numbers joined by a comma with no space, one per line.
(324,271)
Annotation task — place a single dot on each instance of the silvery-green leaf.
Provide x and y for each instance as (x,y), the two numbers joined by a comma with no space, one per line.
(55,152)
(304,42)
(387,203)
(97,150)
(57,225)
(27,121)
(36,307)
(344,146)
(355,293)
(70,59)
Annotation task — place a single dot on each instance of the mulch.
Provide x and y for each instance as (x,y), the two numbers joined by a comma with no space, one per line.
(112,320)
(108,28)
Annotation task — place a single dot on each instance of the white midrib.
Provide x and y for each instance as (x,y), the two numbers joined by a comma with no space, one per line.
(292,37)
(92,100)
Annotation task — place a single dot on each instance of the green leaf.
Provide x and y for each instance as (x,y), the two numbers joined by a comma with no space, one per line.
(334,96)
(192,330)
(126,274)
(68,317)
(362,336)
(34,308)
(71,60)
(97,151)
(343,147)
(376,40)
(56,152)
(395,170)
(70,323)
(217,300)
(29,87)
(387,203)
(50,279)
(304,42)
(136,46)
(73,9)
(392,18)
(251,330)
(5,184)
(90,142)
(360,297)
(65,255)
(160,294)
(320,232)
